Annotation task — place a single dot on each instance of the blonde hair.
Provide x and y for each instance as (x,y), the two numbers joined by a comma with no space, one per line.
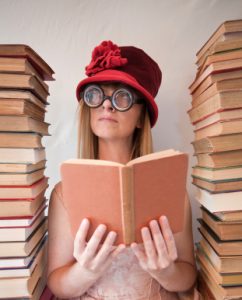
(87,144)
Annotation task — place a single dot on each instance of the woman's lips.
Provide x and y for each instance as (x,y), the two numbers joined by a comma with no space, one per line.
(107,119)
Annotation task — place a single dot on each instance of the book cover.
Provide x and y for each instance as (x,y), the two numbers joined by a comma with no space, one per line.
(11,94)
(218,186)
(23,124)
(229,279)
(19,221)
(222,116)
(220,159)
(221,56)
(218,291)
(20,233)
(126,197)
(25,82)
(219,102)
(21,178)
(20,140)
(22,155)
(223,248)
(223,264)
(226,230)
(219,201)
(214,78)
(23,266)
(234,172)
(18,208)
(21,287)
(234,215)
(23,191)
(216,67)
(219,128)
(24,248)
(19,65)
(21,50)
(229,26)
(200,95)
(21,107)
(22,167)
(218,143)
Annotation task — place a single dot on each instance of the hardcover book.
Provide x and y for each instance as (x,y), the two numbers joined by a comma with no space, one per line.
(219,201)
(19,50)
(226,230)
(223,264)
(222,33)
(126,197)
(220,159)
(21,107)
(23,124)
(223,248)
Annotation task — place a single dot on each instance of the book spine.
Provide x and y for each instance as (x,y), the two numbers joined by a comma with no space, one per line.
(127,205)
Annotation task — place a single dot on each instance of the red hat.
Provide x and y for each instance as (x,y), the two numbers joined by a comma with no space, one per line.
(128,65)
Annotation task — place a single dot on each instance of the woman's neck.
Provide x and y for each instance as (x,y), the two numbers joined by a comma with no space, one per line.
(118,151)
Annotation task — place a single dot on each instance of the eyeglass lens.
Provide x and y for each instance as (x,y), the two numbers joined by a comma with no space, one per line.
(121,98)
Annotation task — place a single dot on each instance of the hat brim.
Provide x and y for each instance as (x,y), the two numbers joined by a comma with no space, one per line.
(119,76)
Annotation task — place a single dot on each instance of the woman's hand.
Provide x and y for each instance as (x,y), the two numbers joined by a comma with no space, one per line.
(160,252)
(93,257)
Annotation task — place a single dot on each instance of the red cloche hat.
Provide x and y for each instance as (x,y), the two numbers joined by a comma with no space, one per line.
(128,65)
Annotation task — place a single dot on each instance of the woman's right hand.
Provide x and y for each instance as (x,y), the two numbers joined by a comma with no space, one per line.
(94,258)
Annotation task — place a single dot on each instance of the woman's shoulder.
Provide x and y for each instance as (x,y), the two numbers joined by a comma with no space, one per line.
(57,190)
(57,195)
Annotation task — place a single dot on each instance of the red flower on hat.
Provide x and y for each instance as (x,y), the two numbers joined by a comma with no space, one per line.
(105,56)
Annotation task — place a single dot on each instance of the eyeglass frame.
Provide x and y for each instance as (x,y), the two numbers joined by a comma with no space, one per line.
(112,97)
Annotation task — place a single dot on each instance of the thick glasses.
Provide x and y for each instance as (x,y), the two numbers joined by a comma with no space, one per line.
(122,99)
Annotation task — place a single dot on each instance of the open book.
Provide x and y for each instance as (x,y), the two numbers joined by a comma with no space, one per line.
(126,197)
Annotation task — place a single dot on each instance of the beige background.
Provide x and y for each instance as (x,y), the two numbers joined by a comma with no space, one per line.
(65,32)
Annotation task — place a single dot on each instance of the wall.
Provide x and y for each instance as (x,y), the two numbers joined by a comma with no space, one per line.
(65,32)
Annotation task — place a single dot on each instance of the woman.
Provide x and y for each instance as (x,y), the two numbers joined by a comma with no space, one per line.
(117,111)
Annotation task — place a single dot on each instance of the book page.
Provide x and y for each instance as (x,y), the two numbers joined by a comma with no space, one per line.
(152,156)
(98,162)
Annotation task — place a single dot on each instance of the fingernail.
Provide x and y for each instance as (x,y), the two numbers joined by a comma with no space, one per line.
(133,245)
(122,246)
(112,234)
(153,223)
(102,227)
(85,221)
(144,229)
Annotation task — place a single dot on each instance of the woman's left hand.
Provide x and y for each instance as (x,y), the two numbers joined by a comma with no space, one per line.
(160,252)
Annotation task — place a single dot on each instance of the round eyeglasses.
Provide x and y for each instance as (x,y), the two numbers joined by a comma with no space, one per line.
(122,99)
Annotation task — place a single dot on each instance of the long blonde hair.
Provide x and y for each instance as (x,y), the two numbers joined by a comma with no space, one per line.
(87,144)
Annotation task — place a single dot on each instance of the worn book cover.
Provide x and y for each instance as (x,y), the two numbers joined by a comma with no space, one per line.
(126,197)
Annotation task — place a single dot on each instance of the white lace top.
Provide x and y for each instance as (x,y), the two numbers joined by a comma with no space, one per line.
(125,279)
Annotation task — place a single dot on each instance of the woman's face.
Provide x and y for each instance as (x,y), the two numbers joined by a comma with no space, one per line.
(109,123)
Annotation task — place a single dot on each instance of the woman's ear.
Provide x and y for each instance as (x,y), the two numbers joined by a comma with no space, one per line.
(138,125)
(140,120)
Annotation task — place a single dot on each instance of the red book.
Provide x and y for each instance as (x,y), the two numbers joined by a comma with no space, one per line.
(25,191)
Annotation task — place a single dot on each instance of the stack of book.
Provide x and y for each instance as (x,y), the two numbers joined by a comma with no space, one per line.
(216,114)
(23,221)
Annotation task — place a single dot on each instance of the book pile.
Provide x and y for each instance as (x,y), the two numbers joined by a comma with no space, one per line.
(216,114)
(23,221)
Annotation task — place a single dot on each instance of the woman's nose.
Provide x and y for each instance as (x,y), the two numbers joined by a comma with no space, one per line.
(107,105)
